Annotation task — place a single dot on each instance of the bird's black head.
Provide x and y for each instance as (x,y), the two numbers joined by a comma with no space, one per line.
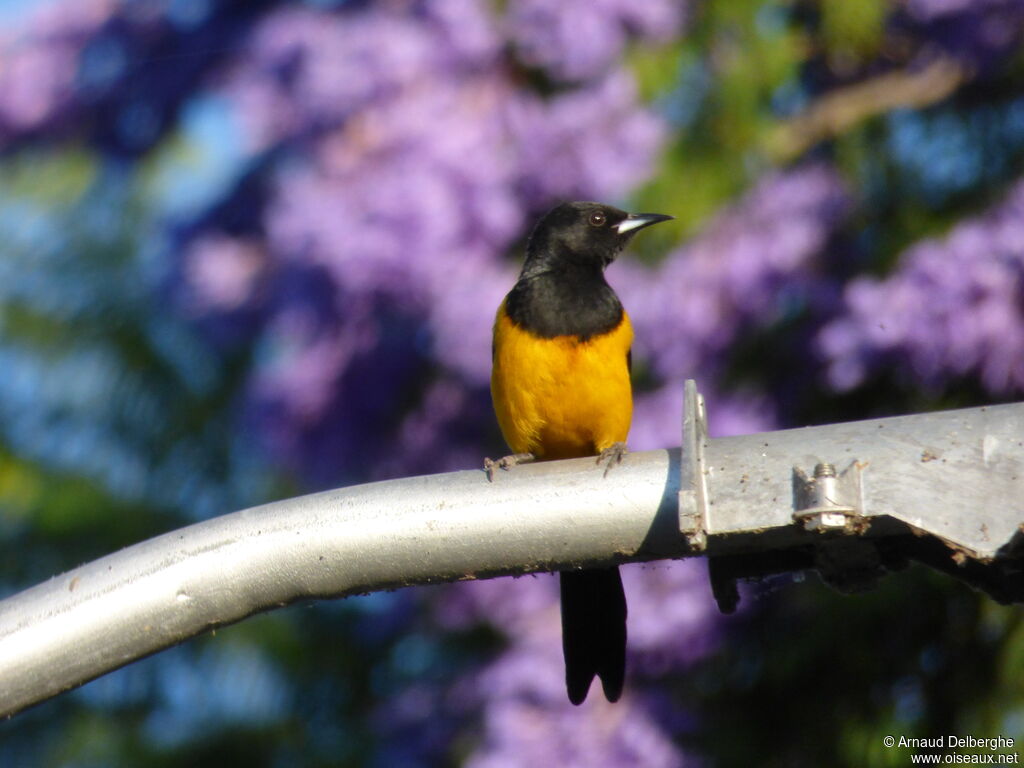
(583,234)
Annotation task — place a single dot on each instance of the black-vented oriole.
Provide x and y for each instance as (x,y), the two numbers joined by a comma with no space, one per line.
(561,389)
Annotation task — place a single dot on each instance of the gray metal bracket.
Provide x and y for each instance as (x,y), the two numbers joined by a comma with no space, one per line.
(946,488)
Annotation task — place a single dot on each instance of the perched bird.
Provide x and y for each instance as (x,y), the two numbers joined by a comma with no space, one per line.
(561,389)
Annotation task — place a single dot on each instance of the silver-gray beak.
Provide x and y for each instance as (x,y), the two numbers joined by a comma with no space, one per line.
(637,221)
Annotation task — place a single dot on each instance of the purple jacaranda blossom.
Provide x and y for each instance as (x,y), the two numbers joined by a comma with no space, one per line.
(39,63)
(115,74)
(953,307)
(524,726)
(580,40)
(441,434)
(558,138)
(223,273)
(982,36)
(387,195)
(928,10)
(672,616)
(307,71)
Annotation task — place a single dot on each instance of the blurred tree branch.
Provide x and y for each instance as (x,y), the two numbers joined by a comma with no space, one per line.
(841,109)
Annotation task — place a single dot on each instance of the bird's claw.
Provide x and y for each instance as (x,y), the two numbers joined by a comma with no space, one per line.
(505,462)
(613,455)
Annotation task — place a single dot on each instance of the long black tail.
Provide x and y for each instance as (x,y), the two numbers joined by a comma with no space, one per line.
(593,631)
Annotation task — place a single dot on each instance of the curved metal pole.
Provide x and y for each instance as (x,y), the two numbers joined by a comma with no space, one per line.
(956,475)
(418,530)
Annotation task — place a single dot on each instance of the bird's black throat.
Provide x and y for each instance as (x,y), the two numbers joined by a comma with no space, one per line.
(567,300)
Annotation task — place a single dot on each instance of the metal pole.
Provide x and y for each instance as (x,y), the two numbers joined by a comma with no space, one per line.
(957,476)
(419,530)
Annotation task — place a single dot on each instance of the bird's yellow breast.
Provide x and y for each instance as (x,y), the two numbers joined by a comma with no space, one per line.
(561,398)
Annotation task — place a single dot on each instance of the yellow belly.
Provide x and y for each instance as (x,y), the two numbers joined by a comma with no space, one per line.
(560,398)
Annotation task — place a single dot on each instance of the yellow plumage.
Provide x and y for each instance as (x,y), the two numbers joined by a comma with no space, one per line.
(561,398)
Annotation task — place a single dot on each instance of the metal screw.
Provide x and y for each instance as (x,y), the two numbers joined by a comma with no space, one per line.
(824,469)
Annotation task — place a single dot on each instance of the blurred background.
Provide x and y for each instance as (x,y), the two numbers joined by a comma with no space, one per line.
(253,249)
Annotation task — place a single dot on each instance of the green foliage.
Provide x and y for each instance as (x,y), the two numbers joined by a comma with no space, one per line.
(727,71)
(852,33)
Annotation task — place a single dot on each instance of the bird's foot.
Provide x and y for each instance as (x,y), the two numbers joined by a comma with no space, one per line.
(506,462)
(613,455)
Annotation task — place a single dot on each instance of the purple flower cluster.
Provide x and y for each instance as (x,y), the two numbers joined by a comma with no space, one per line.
(981,34)
(557,140)
(928,10)
(953,307)
(39,69)
(581,39)
(306,71)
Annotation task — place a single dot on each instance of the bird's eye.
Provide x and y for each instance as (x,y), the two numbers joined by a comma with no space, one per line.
(597,219)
